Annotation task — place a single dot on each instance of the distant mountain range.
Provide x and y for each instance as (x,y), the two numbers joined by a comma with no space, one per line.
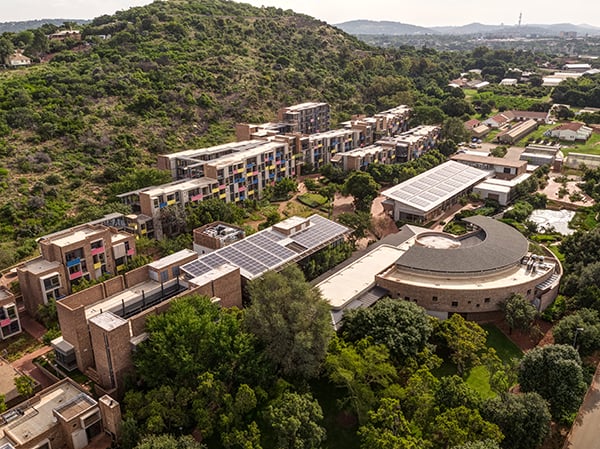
(15,27)
(397,28)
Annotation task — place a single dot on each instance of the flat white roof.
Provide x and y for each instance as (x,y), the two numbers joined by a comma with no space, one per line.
(107,321)
(232,146)
(75,237)
(213,275)
(430,189)
(178,186)
(488,186)
(171,259)
(356,278)
(303,106)
(236,158)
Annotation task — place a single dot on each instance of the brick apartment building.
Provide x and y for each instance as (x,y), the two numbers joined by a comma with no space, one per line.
(67,257)
(9,315)
(62,416)
(306,118)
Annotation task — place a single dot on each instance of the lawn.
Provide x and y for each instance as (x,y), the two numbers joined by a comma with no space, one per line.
(536,135)
(479,377)
(16,347)
(312,199)
(591,146)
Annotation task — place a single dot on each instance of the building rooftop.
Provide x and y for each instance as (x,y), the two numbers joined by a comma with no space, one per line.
(496,246)
(73,236)
(107,321)
(231,146)
(499,161)
(40,265)
(24,423)
(175,186)
(236,158)
(355,279)
(304,106)
(171,259)
(362,152)
(214,274)
(430,189)
(270,249)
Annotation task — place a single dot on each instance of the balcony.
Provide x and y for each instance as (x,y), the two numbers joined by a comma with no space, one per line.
(73,262)
(100,250)
(75,275)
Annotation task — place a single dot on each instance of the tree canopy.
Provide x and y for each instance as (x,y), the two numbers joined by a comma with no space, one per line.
(291,319)
(402,326)
(554,371)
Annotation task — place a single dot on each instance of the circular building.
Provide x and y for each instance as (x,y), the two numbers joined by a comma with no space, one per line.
(470,274)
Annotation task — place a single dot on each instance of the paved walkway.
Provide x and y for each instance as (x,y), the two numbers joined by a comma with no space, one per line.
(31,326)
(25,364)
(585,433)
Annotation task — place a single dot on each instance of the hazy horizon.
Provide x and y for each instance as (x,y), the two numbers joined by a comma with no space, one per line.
(429,13)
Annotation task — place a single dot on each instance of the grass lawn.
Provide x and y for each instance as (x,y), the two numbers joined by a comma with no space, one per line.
(560,256)
(312,199)
(586,219)
(479,377)
(19,345)
(591,146)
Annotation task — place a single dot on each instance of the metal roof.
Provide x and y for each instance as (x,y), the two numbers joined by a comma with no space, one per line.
(430,189)
(501,246)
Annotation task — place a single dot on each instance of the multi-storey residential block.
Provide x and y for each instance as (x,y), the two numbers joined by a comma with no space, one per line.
(67,257)
(9,315)
(392,121)
(306,118)
(361,158)
(104,323)
(62,416)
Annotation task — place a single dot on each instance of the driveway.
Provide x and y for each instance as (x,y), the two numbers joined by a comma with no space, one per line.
(585,433)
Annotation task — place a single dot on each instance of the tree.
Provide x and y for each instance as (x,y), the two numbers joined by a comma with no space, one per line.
(454,129)
(284,187)
(460,425)
(6,48)
(554,371)
(196,336)
(169,442)
(291,319)
(518,313)
(2,403)
(387,428)
(295,420)
(481,444)
(588,335)
(402,326)
(524,419)
(25,385)
(363,188)
(465,340)
(453,392)
(359,222)
(363,369)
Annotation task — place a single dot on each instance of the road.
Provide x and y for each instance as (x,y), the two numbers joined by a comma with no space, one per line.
(585,433)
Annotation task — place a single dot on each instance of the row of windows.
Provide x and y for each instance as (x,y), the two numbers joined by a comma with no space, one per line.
(453,303)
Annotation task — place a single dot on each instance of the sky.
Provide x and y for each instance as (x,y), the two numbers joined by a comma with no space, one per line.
(423,12)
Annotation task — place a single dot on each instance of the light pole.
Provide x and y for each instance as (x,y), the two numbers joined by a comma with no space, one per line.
(577,330)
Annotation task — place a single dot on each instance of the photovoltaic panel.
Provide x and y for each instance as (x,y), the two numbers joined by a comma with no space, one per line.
(196,268)
(213,260)
(275,236)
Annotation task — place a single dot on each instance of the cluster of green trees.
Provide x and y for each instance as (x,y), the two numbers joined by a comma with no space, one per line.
(583,91)
(262,377)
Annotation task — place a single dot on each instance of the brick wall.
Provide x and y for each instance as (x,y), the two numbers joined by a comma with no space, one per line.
(74,329)
(136,276)
(114,286)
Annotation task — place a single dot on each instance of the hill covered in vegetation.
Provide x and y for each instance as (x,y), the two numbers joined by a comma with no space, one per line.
(79,127)
(173,75)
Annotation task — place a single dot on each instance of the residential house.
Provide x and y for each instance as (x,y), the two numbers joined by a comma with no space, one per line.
(17,59)
(571,132)
(84,252)
(65,34)
(499,120)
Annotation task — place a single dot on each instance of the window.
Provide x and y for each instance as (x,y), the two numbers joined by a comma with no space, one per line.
(97,244)
(528,292)
(486,300)
(175,271)
(507,170)
(11,311)
(454,303)
(407,298)
(164,276)
(51,283)
(434,299)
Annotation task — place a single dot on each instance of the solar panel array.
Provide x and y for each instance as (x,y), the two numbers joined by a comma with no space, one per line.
(431,188)
(265,250)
